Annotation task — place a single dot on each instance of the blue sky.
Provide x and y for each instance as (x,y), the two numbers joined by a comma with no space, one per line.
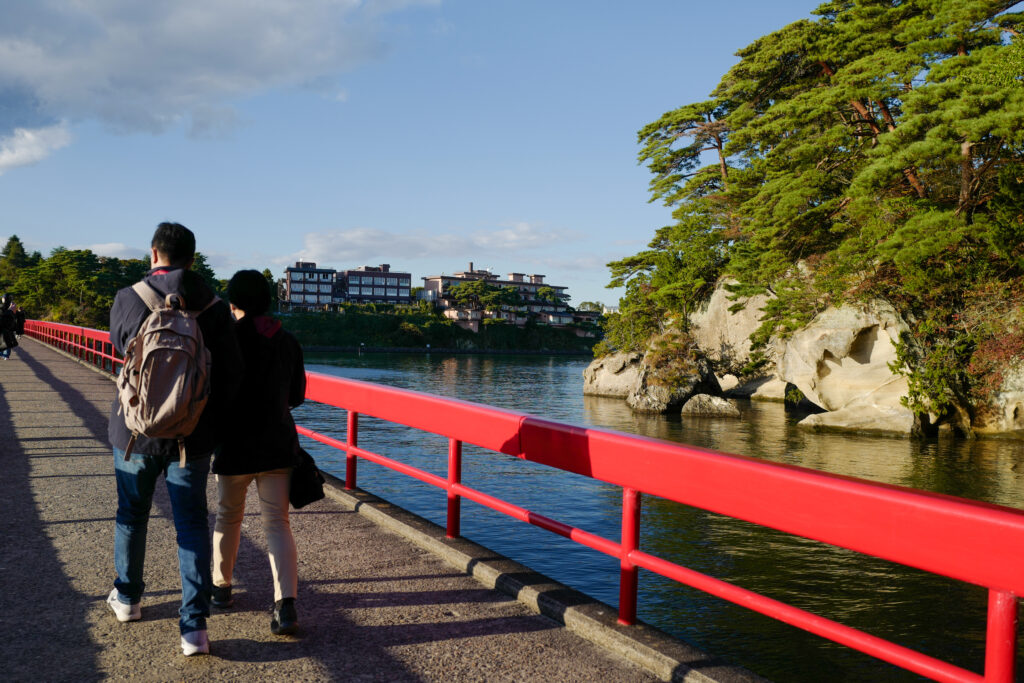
(420,133)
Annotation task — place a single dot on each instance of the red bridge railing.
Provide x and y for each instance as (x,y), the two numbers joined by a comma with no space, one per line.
(965,540)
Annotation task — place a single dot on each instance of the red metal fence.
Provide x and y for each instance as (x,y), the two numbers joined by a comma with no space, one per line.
(965,540)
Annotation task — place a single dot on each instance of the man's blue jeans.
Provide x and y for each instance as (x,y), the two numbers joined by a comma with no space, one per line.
(186,487)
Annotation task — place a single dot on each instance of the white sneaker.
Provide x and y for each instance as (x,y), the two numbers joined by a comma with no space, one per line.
(122,611)
(195,643)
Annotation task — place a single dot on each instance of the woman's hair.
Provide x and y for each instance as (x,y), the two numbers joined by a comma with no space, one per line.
(250,291)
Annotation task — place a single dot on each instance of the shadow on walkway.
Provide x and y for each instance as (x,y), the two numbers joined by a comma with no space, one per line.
(41,611)
(372,606)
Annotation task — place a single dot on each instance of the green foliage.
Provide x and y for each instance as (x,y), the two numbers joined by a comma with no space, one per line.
(482,294)
(203,269)
(875,151)
(275,295)
(410,327)
(672,359)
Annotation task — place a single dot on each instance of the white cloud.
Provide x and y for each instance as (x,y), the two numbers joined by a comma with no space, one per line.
(25,146)
(117,250)
(367,246)
(145,66)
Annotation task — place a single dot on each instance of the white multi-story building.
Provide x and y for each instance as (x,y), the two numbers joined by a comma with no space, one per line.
(551,312)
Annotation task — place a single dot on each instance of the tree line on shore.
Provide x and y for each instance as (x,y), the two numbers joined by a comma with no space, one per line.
(874,152)
(77,287)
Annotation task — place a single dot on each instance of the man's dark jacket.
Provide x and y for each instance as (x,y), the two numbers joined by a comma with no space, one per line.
(126,317)
(274,382)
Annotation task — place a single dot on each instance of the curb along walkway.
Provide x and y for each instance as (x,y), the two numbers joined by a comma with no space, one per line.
(373,606)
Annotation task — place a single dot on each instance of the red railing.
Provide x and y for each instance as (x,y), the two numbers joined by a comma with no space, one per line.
(86,344)
(965,540)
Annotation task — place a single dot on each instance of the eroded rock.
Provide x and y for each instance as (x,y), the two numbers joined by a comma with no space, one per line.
(614,375)
(668,380)
(723,335)
(705,405)
(840,362)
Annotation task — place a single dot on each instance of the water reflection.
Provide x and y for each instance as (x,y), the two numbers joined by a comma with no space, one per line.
(939,617)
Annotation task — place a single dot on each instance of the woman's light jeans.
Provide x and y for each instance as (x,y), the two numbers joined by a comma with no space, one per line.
(272,487)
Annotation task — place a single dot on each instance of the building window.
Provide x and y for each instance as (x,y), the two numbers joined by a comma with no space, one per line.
(392,291)
(296,298)
(367,291)
(378,291)
(403,292)
(392,281)
(325,288)
(405,282)
(378,280)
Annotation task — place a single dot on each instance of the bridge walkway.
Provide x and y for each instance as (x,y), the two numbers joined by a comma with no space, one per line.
(373,606)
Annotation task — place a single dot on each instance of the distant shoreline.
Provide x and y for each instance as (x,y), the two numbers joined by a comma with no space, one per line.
(444,350)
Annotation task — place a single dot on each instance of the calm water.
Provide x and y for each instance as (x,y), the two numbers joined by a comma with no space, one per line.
(940,617)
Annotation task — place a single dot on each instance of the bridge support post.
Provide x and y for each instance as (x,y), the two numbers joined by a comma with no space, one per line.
(454,529)
(1001,641)
(351,439)
(630,541)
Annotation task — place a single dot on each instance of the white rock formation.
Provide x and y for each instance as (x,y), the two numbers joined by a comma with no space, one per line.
(705,405)
(840,362)
(614,375)
(723,336)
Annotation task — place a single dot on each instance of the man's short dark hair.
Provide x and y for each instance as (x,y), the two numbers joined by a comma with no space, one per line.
(250,291)
(175,242)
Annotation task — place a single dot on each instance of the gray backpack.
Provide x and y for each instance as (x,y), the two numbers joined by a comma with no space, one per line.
(165,382)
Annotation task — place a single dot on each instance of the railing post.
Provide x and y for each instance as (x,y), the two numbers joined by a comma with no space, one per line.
(454,477)
(630,542)
(1001,641)
(351,438)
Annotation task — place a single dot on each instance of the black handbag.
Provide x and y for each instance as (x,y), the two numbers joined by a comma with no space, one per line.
(307,484)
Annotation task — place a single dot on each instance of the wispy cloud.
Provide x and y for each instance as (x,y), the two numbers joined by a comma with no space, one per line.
(28,146)
(359,246)
(116,250)
(146,66)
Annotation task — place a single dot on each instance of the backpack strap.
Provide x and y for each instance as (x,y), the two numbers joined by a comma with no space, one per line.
(131,445)
(148,295)
(155,302)
(214,300)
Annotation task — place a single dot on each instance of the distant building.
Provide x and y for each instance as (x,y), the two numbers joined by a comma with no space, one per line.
(377,284)
(437,288)
(307,287)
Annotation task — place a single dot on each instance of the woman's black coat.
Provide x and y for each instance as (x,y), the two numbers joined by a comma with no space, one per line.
(260,430)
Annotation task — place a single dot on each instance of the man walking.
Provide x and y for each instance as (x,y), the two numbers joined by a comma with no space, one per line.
(171,256)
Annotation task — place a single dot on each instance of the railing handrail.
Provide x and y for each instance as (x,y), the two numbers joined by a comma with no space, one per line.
(967,540)
(976,542)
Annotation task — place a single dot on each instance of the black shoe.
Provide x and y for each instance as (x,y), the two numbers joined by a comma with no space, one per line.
(221,596)
(285,620)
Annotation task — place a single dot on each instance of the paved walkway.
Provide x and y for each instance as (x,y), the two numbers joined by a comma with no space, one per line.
(373,606)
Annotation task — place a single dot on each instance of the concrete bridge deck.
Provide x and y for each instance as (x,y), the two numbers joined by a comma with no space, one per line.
(373,605)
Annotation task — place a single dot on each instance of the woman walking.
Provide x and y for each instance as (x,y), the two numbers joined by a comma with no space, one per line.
(263,448)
